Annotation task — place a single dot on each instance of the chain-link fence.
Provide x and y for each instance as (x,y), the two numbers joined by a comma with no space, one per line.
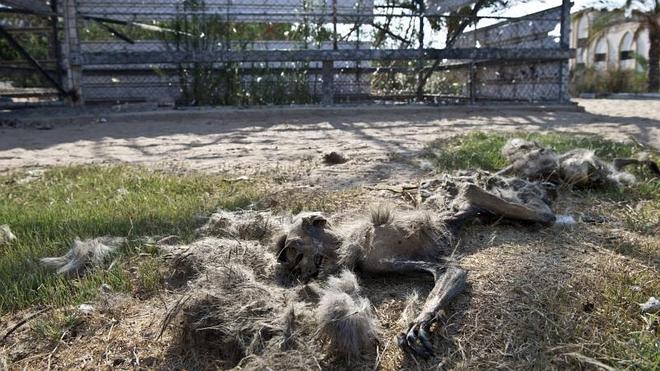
(250,52)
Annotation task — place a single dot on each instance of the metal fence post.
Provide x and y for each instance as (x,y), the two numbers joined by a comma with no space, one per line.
(55,49)
(565,25)
(328,85)
(72,52)
(421,81)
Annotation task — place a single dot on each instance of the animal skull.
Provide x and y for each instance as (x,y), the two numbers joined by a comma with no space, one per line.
(308,246)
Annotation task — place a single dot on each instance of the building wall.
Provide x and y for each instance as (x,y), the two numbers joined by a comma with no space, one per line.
(619,43)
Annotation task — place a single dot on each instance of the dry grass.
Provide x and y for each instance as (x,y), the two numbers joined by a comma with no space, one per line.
(551,298)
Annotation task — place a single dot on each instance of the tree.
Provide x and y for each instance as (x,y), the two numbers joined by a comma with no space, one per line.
(647,13)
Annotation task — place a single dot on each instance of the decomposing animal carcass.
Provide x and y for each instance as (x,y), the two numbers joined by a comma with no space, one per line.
(391,241)
(579,167)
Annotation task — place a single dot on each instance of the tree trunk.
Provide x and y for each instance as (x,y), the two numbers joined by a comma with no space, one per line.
(654,56)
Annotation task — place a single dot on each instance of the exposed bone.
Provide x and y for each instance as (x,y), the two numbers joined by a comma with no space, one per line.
(482,199)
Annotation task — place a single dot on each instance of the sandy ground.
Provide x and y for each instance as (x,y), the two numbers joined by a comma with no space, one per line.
(378,140)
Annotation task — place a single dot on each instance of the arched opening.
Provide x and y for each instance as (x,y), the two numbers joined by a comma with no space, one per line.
(600,54)
(582,40)
(626,52)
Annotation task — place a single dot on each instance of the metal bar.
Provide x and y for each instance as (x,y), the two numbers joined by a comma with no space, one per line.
(421,81)
(55,43)
(334,24)
(323,55)
(33,62)
(116,33)
(327,86)
(73,56)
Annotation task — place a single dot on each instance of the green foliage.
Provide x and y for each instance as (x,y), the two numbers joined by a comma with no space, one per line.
(228,83)
(90,201)
(591,80)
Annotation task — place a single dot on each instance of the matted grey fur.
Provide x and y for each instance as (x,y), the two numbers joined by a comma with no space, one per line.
(345,318)
(6,236)
(530,159)
(245,225)
(84,255)
(234,314)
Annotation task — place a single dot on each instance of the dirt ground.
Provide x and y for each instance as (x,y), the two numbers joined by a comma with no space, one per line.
(378,140)
(521,329)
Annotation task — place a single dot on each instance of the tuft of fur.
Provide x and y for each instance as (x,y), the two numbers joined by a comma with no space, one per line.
(6,236)
(345,319)
(245,225)
(581,167)
(233,313)
(334,158)
(381,214)
(530,160)
(84,255)
(211,254)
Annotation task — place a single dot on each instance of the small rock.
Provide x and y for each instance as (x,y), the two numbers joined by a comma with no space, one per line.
(334,158)
(635,288)
(651,306)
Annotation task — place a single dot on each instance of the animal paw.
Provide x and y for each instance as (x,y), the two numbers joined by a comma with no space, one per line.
(416,339)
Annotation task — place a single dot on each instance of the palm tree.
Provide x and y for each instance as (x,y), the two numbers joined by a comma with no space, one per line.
(647,13)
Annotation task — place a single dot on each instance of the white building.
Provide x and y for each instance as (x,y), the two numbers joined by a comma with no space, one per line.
(615,48)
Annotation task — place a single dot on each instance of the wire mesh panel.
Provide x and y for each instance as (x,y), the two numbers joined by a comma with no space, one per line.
(279,11)
(246,52)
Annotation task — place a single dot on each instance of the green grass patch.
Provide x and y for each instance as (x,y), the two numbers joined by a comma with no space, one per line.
(47,212)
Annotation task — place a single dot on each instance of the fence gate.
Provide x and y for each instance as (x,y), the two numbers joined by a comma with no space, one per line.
(30,53)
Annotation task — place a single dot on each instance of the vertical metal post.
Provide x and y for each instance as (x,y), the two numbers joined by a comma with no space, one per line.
(334,25)
(72,52)
(565,24)
(328,85)
(55,47)
(420,62)
(472,82)
(357,46)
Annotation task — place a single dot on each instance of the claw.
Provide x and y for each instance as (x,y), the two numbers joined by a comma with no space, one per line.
(416,341)
(424,338)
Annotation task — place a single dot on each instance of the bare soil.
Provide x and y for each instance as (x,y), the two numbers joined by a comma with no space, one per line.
(379,141)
